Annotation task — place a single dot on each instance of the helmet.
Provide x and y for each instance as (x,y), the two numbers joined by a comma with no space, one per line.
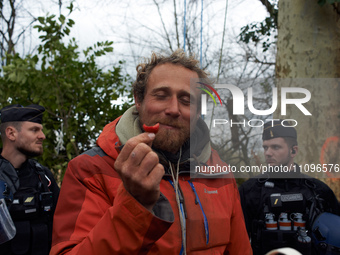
(326,233)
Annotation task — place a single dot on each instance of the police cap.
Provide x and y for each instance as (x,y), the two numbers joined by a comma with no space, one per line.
(274,129)
(17,112)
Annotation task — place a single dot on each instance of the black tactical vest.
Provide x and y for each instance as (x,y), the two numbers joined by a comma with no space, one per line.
(30,209)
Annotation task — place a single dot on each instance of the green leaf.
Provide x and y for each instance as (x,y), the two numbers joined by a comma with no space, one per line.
(62,19)
(70,23)
(41,20)
(108,49)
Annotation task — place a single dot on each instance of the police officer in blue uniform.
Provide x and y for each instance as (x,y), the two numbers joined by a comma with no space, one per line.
(281,205)
(29,188)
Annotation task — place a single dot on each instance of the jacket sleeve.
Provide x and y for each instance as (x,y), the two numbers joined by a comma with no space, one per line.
(247,217)
(239,240)
(87,222)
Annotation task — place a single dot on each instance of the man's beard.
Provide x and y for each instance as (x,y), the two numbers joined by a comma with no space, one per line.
(29,153)
(171,140)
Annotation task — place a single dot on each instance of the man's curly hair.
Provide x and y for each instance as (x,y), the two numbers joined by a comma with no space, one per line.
(144,70)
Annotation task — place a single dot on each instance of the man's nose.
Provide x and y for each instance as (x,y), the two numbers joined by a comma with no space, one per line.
(173,107)
(42,135)
(268,152)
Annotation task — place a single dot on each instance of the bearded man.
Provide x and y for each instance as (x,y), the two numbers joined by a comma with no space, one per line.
(133,194)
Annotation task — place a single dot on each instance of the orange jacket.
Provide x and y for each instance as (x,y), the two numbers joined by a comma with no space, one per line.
(96,215)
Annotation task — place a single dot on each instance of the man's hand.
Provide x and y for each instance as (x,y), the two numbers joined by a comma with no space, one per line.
(139,169)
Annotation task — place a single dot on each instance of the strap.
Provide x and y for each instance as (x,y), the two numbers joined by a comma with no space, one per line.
(316,207)
(263,206)
(42,176)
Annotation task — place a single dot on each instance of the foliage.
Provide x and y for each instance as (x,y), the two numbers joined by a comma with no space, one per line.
(334,3)
(323,2)
(262,31)
(257,32)
(76,93)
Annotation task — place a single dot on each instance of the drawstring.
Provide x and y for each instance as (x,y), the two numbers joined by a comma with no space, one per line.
(197,200)
(180,203)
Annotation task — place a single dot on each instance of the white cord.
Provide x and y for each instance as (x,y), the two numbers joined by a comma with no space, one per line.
(181,216)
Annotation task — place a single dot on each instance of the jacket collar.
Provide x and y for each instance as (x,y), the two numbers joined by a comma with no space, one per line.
(197,148)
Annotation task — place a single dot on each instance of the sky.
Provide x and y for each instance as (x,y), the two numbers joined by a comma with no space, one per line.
(133,26)
(117,20)
(100,22)
(96,21)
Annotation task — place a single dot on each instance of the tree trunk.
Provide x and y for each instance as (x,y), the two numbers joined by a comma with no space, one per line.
(308,56)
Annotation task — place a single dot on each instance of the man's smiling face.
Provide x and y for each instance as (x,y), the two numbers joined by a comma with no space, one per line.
(170,101)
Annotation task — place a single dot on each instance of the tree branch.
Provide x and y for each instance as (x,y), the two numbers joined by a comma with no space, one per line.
(176,24)
(270,8)
(166,32)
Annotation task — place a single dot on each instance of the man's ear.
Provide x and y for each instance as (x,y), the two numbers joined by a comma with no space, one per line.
(11,133)
(295,150)
(137,103)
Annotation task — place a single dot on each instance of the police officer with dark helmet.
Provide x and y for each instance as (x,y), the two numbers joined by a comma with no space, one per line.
(28,188)
(281,205)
